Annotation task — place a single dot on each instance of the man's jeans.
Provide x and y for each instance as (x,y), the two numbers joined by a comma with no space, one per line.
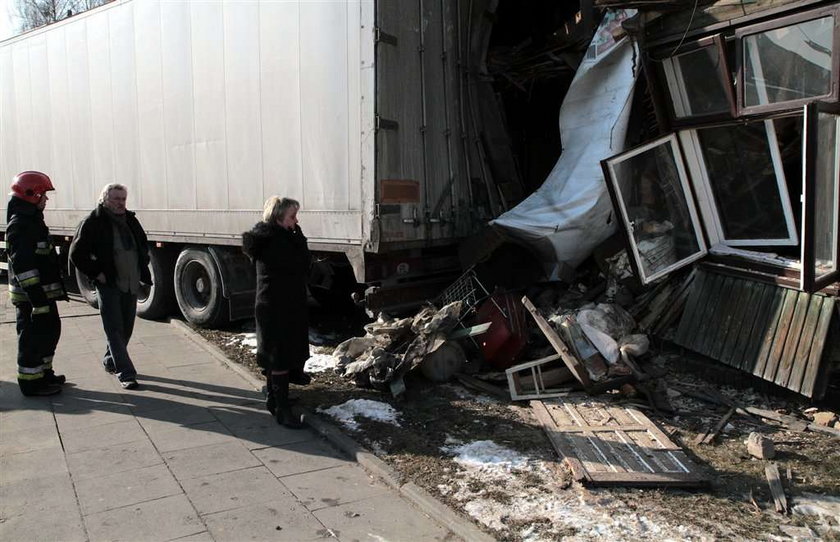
(118,311)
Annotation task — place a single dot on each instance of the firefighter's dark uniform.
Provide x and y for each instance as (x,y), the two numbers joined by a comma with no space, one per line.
(35,284)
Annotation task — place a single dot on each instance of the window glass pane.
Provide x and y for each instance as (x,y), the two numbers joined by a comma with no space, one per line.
(697,88)
(825,195)
(790,63)
(744,179)
(659,216)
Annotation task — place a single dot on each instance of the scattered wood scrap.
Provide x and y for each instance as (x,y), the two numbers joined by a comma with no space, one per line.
(580,371)
(537,380)
(610,445)
(774,479)
(709,436)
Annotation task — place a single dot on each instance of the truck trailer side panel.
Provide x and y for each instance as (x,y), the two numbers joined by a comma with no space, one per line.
(203,109)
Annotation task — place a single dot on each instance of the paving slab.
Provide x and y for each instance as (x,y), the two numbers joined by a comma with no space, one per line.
(126,488)
(162,519)
(389,518)
(300,457)
(230,490)
(213,459)
(282,521)
(334,486)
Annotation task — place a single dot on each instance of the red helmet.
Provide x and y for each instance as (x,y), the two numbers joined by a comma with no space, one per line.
(31,186)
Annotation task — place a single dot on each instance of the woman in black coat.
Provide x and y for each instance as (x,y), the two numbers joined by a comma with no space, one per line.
(281,257)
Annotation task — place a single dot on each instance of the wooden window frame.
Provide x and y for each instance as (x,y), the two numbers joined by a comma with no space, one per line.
(810,282)
(741,33)
(666,88)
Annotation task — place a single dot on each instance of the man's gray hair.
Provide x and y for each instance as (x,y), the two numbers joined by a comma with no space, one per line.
(107,190)
(276,207)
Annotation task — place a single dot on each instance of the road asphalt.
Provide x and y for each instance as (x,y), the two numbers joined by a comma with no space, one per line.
(191,456)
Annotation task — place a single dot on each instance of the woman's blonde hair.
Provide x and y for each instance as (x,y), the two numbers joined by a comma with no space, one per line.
(107,190)
(276,207)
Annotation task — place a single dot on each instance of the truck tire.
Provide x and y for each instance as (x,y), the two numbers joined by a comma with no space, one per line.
(157,300)
(86,289)
(198,289)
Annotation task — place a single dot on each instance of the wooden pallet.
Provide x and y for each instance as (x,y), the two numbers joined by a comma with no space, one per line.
(608,445)
(775,333)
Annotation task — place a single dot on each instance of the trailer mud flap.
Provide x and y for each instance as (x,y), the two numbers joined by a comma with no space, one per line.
(238,280)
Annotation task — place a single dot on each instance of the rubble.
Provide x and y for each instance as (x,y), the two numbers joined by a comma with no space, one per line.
(760,446)
(825,419)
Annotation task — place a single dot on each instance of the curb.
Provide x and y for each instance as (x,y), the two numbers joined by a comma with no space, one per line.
(421,498)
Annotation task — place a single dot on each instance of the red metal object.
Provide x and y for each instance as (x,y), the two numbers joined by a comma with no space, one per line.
(507,335)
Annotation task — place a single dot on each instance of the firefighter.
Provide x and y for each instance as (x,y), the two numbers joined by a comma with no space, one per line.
(35,284)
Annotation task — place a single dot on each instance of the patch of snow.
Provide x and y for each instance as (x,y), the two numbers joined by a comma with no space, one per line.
(486,455)
(346,413)
(319,363)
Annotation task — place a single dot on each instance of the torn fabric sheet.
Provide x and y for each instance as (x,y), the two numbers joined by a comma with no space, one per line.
(570,214)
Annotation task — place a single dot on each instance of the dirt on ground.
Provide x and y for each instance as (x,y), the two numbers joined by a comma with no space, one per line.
(489,459)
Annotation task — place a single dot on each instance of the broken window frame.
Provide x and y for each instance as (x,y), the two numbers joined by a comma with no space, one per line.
(609,167)
(703,186)
(674,86)
(810,165)
(792,20)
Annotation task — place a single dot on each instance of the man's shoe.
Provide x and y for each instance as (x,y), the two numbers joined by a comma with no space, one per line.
(51,378)
(42,390)
(130,384)
(109,368)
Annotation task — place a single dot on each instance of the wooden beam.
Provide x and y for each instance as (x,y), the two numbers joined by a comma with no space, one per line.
(771,471)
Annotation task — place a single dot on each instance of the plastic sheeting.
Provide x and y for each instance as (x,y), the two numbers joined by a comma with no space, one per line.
(571,213)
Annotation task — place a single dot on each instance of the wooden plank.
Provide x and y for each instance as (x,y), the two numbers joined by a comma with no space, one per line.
(599,429)
(817,346)
(653,430)
(663,459)
(685,331)
(792,342)
(781,333)
(678,303)
(771,471)
(768,332)
(637,479)
(747,352)
(733,350)
(722,318)
(809,329)
(736,323)
(708,314)
(709,436)
(791,422)
(570,361)
(623,448)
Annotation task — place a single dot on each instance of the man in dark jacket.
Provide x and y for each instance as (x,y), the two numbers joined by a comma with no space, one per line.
(111,249)
(34,284)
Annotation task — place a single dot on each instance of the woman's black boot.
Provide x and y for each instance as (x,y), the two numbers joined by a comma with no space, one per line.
(270,403)
(282,408)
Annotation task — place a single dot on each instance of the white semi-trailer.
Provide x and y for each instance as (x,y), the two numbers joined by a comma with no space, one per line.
(365,111)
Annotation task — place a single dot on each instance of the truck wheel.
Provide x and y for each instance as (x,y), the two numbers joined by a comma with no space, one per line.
(86,289)
(198,288)
(157,300)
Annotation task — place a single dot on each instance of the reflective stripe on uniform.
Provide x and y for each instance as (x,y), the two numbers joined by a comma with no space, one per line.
(30,370)
(17,297)
(28,278)
(27,274)
(43,247)
(41,310)
(22,376)
(42,251)
(54,290)
(47,365)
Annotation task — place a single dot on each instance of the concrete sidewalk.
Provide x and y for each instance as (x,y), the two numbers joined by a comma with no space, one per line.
(192,455)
